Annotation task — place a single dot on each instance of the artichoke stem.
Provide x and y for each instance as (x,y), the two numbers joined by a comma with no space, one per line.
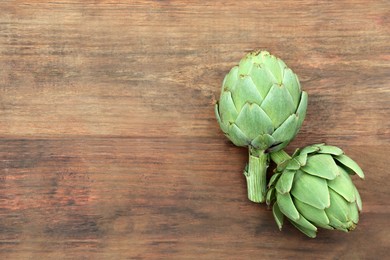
(255,175)
(280,156)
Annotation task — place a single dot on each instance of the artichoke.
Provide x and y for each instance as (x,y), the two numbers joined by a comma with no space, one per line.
(261,107)
(314,189)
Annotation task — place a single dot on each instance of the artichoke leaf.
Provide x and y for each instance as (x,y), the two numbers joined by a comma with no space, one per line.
(311,190)
(309,149)
(301,111)
(278,105)
(270,196)
(321,165)
(277,146)
(293,165)
(315,215)
(350,164)
(306,231)
(282,66)
(303,222)
(343,185)
(281,166)
(253,121)
(223,125)
(262,80)
(246,64)
(286,206)
(353,213)
(230,80)
(237,136)
(226,108)
(337,224)
(286,131)
(358,199)
(272,64)
(263,141)
(278,216)
(330,149)
(245,92)
(285,182)
(273,178)
(339,208)
(292,84)
(302,159)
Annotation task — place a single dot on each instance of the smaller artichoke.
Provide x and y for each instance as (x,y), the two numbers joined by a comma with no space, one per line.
(313,189)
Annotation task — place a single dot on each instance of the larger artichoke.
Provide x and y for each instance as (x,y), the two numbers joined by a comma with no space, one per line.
(261,107)
(314,189)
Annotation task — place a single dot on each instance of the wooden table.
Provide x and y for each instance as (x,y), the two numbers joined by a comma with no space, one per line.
(109,148)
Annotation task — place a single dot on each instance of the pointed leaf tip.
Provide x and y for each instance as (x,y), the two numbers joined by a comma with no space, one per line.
(343,185)
(253,122)
(273,179)
(315,215)
(303,222)
(270,196)
(278,216)
(302,159)
(278,105)
(358,200)
(301,111)
(287,130)
(286,206)
(293,164)
(309,149)
(306,231)
(350,164)
(237,136)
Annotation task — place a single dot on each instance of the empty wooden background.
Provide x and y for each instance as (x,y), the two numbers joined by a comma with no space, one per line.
(109,148)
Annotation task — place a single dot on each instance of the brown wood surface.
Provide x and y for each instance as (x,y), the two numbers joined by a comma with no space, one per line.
(109,148)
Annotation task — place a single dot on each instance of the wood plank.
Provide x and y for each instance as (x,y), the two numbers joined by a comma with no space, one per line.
(108,198)
(92,69)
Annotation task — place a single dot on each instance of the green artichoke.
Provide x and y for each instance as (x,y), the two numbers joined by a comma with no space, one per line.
(261,107)
(314,189)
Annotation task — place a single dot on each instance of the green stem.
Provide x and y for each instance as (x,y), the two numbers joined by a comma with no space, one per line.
(280,157)
(255,174)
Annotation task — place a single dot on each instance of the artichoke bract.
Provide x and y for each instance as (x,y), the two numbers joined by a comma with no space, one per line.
(314,189)
(261,107)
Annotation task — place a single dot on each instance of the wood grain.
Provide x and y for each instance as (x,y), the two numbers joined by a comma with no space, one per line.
(109,148)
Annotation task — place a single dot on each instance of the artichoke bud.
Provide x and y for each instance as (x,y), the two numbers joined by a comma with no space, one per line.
(261,103)
(314,189)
